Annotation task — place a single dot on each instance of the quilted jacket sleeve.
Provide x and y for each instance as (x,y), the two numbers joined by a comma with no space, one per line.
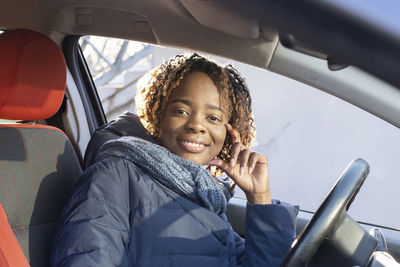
(270,230)
(100,199)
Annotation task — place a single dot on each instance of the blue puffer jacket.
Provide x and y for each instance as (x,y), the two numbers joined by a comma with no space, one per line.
(119,216)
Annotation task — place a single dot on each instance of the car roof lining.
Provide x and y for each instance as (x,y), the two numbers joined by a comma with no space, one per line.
(85,20)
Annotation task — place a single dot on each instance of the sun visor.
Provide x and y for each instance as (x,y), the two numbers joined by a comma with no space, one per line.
(219,16)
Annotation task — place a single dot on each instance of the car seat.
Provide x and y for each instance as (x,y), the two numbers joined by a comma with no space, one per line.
(38,164)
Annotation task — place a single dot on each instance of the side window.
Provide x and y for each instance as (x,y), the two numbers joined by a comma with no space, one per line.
(308,136)
(116,65)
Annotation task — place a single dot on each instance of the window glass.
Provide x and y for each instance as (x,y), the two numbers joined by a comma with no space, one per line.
(308,136)
(116,65)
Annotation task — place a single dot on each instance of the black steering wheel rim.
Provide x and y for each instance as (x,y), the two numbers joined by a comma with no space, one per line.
(329,214)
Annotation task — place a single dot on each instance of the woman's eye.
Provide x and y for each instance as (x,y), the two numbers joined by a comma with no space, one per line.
(180,112)
(214,118)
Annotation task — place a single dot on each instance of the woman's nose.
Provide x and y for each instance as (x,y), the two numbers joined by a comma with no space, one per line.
(195,125)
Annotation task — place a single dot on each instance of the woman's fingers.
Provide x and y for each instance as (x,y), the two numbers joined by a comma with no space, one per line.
(243,158)
(221,164)
(235,135)
(253,161)
(236,148)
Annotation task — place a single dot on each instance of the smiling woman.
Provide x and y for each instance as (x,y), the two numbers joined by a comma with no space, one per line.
(139,190)
(302,49)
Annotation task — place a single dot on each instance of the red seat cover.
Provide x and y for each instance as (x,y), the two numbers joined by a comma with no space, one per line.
(11,254)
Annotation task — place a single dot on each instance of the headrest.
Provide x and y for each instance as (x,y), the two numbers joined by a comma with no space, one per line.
(32,76)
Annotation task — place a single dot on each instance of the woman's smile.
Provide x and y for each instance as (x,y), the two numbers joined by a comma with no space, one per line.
(192,147)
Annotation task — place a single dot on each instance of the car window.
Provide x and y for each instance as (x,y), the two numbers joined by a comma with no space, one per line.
(116,65)
(308,136)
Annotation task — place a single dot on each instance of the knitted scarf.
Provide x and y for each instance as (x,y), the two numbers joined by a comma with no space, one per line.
(184,177)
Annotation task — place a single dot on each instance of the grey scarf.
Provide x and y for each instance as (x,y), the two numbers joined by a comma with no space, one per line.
(184,177)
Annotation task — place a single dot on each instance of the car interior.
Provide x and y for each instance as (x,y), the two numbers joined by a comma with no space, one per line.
(50,109)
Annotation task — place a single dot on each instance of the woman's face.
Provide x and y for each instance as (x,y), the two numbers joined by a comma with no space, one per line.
(193,123)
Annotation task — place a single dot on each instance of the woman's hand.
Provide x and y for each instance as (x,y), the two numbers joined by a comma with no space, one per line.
(248,169)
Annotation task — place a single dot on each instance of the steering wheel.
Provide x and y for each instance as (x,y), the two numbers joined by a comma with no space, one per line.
(331,224)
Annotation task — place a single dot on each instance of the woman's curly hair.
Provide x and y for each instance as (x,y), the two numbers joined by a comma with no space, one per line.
(156,87)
